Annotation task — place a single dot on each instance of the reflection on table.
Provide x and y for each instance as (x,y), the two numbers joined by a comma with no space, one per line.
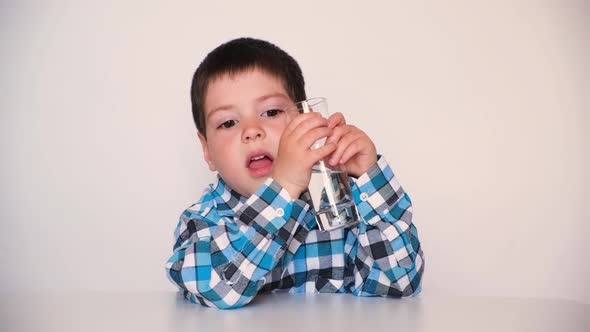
(167,311)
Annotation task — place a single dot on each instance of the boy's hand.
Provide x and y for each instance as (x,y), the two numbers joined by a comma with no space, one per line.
(355,152)
(294,160)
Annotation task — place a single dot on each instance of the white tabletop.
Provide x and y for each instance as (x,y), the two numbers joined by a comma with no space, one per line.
(166,311)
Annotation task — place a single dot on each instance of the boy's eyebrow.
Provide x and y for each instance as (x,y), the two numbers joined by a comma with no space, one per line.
(272,95)
(258,100)
(220,108)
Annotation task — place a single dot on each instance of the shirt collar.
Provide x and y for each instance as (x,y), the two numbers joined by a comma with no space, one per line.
(228,201)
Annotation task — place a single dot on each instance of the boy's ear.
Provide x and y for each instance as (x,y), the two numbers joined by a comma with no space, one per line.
(206,154)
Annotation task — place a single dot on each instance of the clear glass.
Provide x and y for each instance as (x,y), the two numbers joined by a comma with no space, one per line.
(329,187)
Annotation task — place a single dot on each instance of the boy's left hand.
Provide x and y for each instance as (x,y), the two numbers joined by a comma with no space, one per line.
(355,152)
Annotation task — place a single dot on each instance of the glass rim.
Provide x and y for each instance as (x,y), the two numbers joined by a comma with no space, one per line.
(309,101)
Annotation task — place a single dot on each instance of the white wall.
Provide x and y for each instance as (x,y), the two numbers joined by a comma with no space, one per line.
(482,109)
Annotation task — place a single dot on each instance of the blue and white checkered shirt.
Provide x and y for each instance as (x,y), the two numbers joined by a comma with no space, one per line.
(229,248)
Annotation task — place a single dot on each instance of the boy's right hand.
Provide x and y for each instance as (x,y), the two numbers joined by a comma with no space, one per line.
(294,160)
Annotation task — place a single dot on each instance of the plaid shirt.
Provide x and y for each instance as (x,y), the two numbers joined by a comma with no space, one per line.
(229,248)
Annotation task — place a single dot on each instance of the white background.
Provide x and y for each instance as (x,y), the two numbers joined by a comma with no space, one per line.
(480,108)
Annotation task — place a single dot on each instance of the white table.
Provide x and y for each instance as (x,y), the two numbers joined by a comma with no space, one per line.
(166,311)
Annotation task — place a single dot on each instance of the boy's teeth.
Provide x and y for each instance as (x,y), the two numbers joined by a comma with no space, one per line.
(257,158)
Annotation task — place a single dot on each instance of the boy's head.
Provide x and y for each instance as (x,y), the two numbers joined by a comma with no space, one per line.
(239,55)
(239,96)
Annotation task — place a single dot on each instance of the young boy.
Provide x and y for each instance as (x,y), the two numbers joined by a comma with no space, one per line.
(254,229)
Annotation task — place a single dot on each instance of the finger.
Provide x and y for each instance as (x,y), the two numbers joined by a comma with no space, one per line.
(297,121)
(338,133)
(336,119)
(343,144)
(313,135)
(305,126)
(321,152)
(353,148)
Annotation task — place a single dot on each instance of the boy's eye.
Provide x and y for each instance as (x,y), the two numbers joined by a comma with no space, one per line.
(272,113)
(227,124)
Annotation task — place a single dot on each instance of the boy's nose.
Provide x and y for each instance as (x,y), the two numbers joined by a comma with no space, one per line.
(253,132)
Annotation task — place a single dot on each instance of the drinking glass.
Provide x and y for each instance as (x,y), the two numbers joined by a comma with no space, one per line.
(329,187)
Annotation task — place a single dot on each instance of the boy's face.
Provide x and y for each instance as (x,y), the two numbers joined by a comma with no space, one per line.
(244,120)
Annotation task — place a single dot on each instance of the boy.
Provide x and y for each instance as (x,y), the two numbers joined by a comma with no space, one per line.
(254,229)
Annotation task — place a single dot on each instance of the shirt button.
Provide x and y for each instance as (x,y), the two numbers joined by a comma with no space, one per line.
(364,197)
(280,212)
(386,211)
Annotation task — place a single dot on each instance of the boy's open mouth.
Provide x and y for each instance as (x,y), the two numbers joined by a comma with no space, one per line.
(259,164)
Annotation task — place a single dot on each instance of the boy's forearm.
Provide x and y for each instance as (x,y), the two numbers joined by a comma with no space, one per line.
(216,274)
(271,208)
(388,236)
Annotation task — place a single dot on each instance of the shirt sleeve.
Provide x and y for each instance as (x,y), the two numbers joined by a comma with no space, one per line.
(222,262)
(385,251)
